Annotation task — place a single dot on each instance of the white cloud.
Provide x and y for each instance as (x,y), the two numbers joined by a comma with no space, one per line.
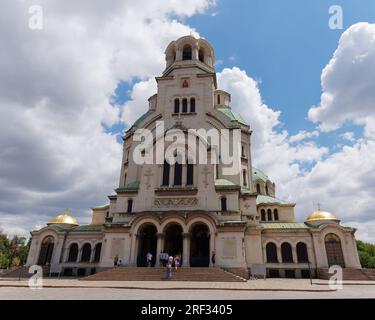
(348,136)
(343,182)
(303,135)
(348,82)
(56,85)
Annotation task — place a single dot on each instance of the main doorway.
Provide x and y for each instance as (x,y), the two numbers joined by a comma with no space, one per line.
(335,255)
(173,239)
(146,243)
(200,246)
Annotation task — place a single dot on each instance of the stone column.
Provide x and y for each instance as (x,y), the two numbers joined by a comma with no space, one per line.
(159,246)
(186,249)
(279,257)
(133,257)
(92,255)
(79,254)
(212,247)
(294,254)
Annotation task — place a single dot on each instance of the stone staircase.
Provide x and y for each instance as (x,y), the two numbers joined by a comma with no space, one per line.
(350,274)
(370,273)
(21,272)
(214,274)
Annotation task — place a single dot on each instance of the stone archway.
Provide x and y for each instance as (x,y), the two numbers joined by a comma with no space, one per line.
(173,239)
(334,252)
(146,243)
(199,245)
(46,250)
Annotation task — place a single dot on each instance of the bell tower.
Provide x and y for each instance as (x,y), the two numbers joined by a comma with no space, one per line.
(189,51)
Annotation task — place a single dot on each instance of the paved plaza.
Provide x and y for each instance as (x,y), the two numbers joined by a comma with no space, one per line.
(254,289)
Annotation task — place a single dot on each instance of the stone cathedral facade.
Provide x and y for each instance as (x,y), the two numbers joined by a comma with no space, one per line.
(194,209)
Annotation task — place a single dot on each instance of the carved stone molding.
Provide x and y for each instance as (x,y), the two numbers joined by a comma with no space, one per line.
(175,202)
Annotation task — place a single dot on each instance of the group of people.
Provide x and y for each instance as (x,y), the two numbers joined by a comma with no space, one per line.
(165,258)
(170,261)
(117,262)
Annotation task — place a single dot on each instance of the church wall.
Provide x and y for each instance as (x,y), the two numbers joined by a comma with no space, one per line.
(230,250)
(116,243)
(293,238)
(253,247)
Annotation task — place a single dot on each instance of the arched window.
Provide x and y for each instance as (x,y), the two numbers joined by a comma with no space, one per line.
(86,252)
(263,215)
(192,104)
(166,168)
(177,174)
(217,171)
(187,52)
(184,105)
(73,253)
(201,55)
(98,249)
(271,253)
(258,188)
(267,190)
(244,178)
(189,174)
(243,152)
(218,99)
(176,105)
(130,205)
(286,252)
(223,204)
(46,250)
(269,215)
(302,255)
(275,215)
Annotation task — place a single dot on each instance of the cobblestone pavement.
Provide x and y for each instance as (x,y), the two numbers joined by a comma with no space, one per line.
(350,291)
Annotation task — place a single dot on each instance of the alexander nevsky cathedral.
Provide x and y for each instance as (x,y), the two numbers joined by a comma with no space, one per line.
(195,209)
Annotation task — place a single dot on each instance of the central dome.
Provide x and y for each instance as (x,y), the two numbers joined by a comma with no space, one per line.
(64,218)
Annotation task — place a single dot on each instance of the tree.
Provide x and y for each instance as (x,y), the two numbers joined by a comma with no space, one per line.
(366,252)
(13,251)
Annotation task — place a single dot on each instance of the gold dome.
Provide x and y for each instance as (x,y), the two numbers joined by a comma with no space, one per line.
(320,215)
(64,218)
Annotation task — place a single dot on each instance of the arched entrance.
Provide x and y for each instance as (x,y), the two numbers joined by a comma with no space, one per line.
(46,250)
(335,255)
(173,239)
(200,246)
(146,243)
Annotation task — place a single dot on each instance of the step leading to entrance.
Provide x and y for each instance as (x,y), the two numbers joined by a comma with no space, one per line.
(213,274)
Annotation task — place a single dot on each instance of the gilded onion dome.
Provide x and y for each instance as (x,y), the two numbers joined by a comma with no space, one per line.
(320,215)
(66,218)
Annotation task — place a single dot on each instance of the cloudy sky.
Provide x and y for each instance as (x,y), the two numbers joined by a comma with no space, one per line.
(69,90)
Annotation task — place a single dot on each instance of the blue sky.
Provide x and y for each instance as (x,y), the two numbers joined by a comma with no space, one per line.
(282,44)
(285,44)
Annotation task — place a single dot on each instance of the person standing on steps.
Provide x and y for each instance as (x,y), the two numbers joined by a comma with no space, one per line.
(149,259)
(161,258)
(213,258)
(169,268)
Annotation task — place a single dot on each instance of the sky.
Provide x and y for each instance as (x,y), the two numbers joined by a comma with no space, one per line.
(70,88)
